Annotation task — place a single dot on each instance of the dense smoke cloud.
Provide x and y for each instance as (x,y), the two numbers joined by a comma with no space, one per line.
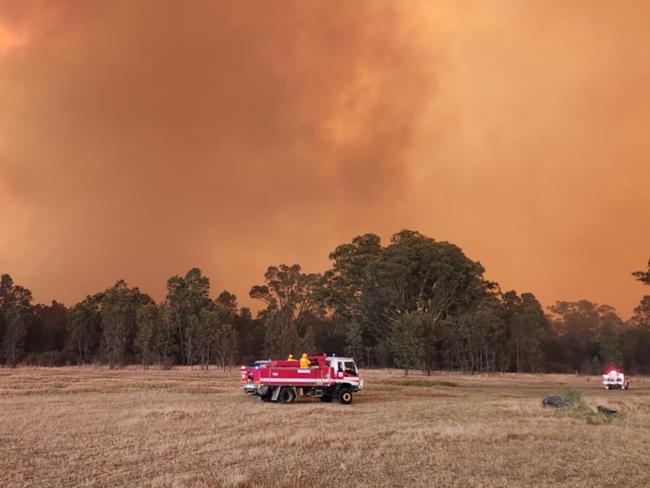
(138,139)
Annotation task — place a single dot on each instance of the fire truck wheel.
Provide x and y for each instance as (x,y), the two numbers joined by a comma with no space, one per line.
(326,398)
(345,396)
(286,395)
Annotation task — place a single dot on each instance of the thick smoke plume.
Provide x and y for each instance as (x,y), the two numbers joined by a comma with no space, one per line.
(138,139)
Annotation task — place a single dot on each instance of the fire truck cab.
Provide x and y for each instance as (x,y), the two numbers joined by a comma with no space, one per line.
(327,377)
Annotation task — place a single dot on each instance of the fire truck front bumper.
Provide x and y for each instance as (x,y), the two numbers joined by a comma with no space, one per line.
(251,388)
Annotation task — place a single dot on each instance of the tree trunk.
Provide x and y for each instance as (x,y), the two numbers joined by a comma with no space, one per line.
(517,356)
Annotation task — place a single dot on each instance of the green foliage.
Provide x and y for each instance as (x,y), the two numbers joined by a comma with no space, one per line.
(249,335)
(167,344)
(354,340)
(148,321)
(83,329)
(585,330)
(217,334)
(610,345)
(414,303)
(291,299)
(636,338)
(15,306)
(119,306)
(575,398)
(14,334)
(474,339)
(46,331)
(371,289)
(527,329)
(407,340)
(341,289)
(186,296)
(579,408)
(643,276)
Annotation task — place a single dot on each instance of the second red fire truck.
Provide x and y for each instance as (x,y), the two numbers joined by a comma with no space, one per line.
(327,377)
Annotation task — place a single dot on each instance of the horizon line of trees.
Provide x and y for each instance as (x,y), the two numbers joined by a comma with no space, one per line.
(415,303)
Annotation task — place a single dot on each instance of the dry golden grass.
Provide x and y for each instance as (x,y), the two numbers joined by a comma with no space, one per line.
(96,427)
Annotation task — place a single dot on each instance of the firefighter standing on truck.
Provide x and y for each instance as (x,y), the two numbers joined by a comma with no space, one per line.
(304,361)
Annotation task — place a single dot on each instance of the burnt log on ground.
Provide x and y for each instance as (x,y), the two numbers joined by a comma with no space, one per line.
(555,401)
(606,410)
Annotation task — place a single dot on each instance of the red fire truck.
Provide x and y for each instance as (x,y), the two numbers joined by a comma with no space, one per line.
(327,377)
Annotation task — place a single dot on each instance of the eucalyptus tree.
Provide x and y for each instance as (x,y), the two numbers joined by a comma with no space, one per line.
(527,330)
(15,305)
(342,292)
(215,337)
(119,305)
(586,331)
(46,331)
(416,274)
(83,329)
(186,296)
(291,298)
(636,337)
(149,324)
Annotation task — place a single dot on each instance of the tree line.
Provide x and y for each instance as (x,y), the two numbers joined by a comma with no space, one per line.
(415,303)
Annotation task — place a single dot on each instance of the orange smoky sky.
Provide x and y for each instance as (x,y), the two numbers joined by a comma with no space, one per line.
(139,139)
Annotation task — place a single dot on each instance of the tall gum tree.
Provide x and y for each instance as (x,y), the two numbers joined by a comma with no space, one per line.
(290,297)
(186,296)
(15,304)
(119,306)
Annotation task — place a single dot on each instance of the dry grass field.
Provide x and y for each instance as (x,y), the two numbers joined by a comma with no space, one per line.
(95,427)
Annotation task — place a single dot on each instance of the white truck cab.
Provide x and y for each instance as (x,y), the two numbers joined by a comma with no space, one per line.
(615,380)
(345,371)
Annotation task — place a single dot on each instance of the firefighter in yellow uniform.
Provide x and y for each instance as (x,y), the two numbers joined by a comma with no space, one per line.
(304,361)
(291,358)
